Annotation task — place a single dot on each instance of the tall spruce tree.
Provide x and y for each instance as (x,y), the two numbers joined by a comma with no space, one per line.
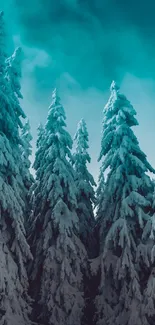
(59,255)
(13,75)
(85,183)
(126,246)
(14,250)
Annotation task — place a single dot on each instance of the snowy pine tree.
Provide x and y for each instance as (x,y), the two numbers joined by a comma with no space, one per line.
(85,202)
(14,250)
(13,76)
(59,255)
(124,217)
(85,192)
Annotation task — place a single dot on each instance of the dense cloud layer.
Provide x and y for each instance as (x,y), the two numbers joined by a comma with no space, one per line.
(92,40)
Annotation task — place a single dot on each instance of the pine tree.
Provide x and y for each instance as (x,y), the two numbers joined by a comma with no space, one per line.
(13,76)
(125,218)
(85,202)
(59,256)
(85,192)
(14,250)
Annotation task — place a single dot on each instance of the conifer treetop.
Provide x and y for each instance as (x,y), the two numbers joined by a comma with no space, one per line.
(12,77)
(13,73)
(56,125)
(124,210)
(14,63)
(118,118)
(82,157)
(56,114)
(81,138)
(114,86)
(53,158)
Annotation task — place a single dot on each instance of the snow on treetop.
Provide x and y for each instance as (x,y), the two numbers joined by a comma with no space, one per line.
(114,86)
(118,109)
(55,96)
(18,51)
(82,122)
(54,93)
(14,73)
(82,127)
(16,58)
(56,114)
(81,137)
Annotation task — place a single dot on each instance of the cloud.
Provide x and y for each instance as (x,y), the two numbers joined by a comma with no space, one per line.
(94,41)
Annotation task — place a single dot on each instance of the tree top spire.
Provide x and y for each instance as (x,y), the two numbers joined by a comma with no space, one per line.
(55,96)
(114,86)
(18,52)
(54,93)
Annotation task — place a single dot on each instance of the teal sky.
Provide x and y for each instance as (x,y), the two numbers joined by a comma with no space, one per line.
(80,47)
